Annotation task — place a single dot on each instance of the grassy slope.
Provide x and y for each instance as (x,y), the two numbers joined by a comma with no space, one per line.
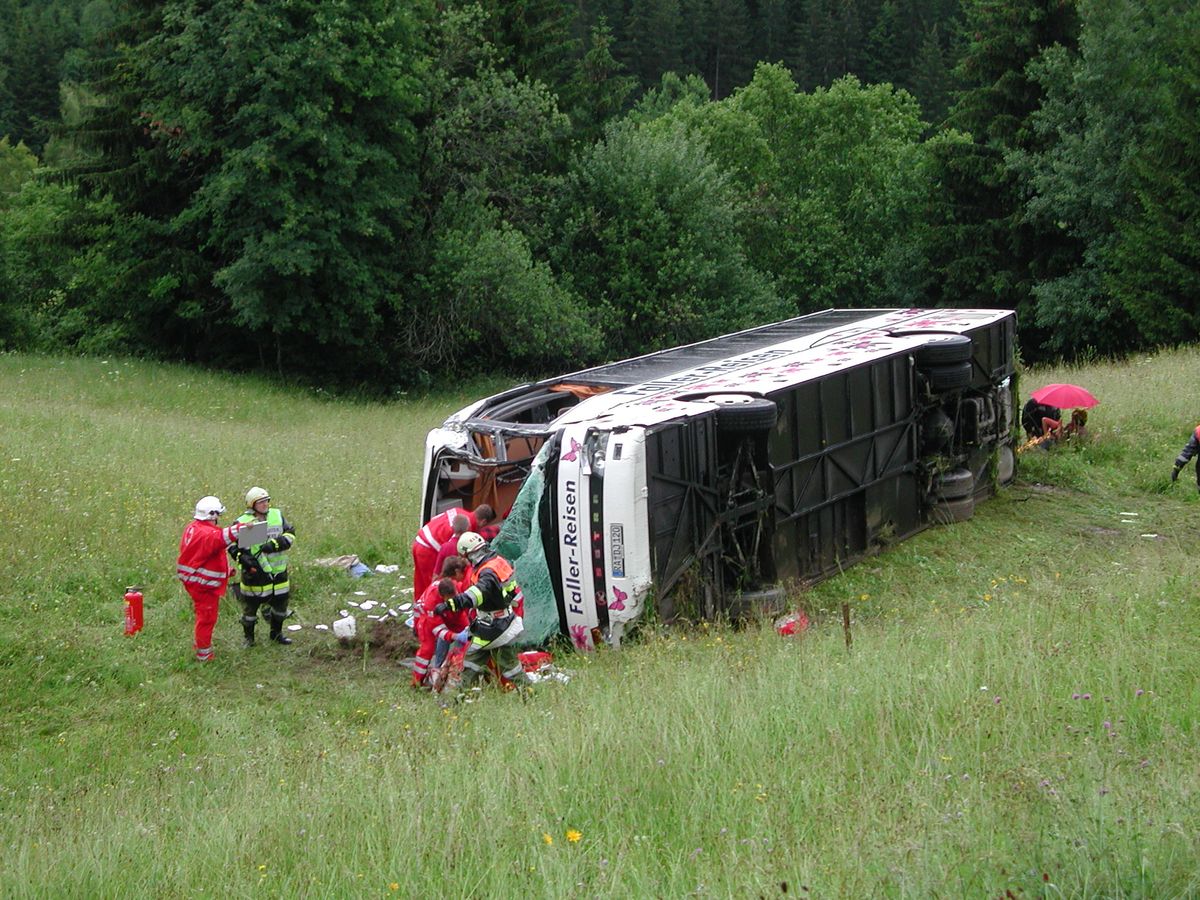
(946,755)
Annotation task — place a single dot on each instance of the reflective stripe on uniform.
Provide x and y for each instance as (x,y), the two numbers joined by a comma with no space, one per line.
(263,589)
(426,539)
(194,576)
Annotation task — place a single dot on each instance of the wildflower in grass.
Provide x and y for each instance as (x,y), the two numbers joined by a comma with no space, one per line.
(1138,692)
(394,886)
(574,836)
(546,839)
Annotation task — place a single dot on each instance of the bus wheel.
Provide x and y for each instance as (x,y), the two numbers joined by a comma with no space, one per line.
(948,378)
(739,412)
(953,484)
(1006,465)
(944,349)
(951,511)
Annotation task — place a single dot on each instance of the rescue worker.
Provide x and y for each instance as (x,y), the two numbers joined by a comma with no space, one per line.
(429,539)
(430,626)
(264,568)
(1190,449)
(450,629)
(493,594)
(461,525)
(1034,417)
(203,568)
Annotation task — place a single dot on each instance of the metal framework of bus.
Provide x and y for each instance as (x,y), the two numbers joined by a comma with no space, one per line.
(709,477)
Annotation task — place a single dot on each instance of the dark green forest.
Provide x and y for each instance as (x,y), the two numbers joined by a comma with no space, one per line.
(380,194)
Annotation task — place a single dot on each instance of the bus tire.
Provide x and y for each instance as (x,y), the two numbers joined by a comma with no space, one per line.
(944,349)
(1006,465)
(737,412)
(948,378)
(951,511)
(953,484)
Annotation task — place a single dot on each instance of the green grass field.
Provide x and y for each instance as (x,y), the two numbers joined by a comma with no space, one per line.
(1019,712)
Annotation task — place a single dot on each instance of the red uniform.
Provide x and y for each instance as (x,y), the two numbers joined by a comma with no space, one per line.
(428,542)
(448,549)
(429,627)
(204,570)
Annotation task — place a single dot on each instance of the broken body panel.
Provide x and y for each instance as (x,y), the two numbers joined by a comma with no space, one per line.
(703,476)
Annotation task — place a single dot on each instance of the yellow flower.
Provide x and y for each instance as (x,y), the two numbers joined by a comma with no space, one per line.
(262,868)
(864,597)
(573,836)
(546,839)
(394,886)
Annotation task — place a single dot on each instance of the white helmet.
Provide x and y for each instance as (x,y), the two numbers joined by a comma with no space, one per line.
(470,544)
(254,495)
(208,508)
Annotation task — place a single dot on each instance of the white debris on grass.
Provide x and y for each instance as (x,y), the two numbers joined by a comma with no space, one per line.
(383,569)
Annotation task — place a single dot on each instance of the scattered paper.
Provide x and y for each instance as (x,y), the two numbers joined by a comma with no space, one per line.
(368,604)
(1127,514)
(295,627)
(360,593)
(386,570)
(352,603)
(321,627)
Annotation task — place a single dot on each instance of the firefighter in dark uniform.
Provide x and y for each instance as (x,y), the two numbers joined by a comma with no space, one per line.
(493,594)
(264,568)
(1190,449)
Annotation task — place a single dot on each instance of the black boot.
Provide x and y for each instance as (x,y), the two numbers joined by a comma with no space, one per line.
(248,630)
(277,620)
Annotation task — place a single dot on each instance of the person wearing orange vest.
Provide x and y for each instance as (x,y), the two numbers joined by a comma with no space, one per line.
(433,534)
(204,569)
(1190,449)
(493,593)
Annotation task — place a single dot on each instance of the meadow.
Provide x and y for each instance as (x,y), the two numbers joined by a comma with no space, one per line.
(1017,714)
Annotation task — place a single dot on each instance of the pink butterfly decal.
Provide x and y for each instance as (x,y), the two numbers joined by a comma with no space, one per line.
(619,598)
(573,453)
(581,637)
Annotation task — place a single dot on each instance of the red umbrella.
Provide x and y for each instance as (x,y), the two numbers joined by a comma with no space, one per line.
(1065,396)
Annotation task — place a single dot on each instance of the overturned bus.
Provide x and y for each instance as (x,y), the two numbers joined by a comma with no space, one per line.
(704,480)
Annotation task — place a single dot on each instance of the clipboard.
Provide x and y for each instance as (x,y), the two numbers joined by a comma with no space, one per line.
(253,534)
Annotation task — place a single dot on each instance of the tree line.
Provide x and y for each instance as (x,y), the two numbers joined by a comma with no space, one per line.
(384,193)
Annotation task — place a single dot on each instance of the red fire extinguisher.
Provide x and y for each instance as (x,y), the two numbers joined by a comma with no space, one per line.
(133,610)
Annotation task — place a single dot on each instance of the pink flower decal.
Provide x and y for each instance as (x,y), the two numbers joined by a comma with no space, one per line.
(580,637)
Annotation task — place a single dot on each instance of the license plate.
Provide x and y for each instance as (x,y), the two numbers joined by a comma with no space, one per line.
(616,539)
